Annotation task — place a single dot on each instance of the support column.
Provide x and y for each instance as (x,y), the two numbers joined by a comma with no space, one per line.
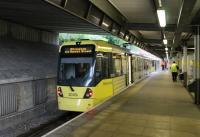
(197,64)
(178,59)
(184,64)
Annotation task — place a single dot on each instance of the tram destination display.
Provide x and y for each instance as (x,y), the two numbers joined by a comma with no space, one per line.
(85,50)
(78,50)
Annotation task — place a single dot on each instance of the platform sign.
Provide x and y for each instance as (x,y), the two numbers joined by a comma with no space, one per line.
(83,50)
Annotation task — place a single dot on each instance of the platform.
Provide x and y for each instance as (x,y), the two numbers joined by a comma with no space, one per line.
(156,107)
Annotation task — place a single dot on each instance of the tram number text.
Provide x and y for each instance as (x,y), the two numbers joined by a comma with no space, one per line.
(73,94)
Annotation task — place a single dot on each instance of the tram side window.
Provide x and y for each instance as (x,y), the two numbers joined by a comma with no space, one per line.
(134,63)
(145,65)
(105,67)
(101,68)
(153,64)
(140,64)
(124,66)
(98,73)
(117,66)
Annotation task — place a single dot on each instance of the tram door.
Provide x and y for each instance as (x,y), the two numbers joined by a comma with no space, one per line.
(133,62)
(129,70)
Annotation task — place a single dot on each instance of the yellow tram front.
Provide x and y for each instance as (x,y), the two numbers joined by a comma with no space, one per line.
(75,77)
(89,73)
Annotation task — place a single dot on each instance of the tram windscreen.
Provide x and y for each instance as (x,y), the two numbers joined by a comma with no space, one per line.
(76,71)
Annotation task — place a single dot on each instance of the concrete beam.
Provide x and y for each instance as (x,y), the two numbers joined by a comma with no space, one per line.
(109,9)
(152,41)
(150,27)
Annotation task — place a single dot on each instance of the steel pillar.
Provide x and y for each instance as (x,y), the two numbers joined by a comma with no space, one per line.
(184,64)
(197,64)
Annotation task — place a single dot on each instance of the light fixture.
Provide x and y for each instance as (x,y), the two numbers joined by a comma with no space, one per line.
(165,41)
(166,52)
(161,17)
(127,37)
(122,33)
(166,49)
(191,48)
(105,24)
(167,56)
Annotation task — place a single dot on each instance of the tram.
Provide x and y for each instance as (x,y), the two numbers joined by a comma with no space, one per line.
(91,71)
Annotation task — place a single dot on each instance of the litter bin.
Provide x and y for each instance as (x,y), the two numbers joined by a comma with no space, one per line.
(181,76)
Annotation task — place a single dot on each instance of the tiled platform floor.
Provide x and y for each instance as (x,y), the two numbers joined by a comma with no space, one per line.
(156,107)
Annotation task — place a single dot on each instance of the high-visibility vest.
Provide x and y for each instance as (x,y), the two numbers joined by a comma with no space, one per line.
(174,67)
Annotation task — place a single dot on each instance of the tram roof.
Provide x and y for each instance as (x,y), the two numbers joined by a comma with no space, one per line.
(103,46)
(100,45)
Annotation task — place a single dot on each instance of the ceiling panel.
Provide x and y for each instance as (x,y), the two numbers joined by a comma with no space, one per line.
(137,34)
(172,8)
(151,34)
(39,14)
(137,11)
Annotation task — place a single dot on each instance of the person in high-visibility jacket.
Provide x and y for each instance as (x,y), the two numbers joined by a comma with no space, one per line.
(174,69)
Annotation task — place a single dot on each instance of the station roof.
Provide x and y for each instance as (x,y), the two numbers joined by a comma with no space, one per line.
(142,20)
(42,15)
(135,21)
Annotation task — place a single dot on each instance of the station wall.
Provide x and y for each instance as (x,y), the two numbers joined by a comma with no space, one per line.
(28,67)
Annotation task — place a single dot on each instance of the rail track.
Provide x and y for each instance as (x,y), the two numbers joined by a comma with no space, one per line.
(46,127)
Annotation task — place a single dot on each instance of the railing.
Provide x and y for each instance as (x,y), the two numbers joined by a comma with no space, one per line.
(8,98)
(19,96)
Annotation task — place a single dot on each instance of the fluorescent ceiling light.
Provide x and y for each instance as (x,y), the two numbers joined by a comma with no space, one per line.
(165,41)
(122,33)
(190,48)
(166,49)
(161,17)
(114,30)
(105,24)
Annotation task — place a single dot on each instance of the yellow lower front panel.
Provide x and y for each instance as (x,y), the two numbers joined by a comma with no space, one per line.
(80,105)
